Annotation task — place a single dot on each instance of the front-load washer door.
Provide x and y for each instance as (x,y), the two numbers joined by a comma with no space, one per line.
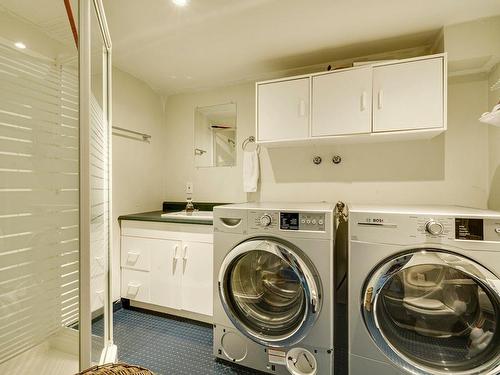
(434,312)
(270,290)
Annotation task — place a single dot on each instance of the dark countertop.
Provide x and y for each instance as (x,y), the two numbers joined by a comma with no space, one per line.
(172,207)
(156,216)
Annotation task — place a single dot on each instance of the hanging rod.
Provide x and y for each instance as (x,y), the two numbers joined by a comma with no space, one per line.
(145,137)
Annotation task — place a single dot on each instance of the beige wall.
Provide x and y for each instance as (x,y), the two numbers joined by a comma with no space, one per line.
(137,166)
(494,146)
(221,184)
(449,169)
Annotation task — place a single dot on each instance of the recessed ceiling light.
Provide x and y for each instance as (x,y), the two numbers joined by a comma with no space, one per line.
(180,3)
(20,45)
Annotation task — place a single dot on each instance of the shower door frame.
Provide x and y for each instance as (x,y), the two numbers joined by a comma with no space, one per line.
(85,9)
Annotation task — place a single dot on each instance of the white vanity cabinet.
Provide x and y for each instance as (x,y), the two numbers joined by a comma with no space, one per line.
(197,278)
(169,266)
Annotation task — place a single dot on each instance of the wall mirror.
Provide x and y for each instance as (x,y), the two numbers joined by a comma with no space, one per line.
(215,135)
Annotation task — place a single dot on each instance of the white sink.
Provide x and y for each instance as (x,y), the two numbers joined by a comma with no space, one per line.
(198,215)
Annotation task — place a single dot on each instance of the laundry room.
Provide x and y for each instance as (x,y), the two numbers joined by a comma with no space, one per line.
(250,187)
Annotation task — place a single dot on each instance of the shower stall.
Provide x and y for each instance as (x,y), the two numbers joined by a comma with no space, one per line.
(55,186)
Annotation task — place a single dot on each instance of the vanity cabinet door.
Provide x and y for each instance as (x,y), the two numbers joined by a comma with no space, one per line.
(283,110)
(342,102)
(166,273)
(197,277)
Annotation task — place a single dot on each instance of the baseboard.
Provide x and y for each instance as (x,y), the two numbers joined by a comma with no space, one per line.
(167,312)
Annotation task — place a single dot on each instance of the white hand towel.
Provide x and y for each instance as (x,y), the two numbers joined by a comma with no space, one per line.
(250,171)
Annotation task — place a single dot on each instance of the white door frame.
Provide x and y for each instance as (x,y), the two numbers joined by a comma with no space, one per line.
(85,327)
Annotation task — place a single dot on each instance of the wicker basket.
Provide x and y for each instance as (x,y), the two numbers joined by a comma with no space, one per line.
(116,369)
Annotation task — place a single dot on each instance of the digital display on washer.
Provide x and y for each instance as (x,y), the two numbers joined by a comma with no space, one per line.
(469,229)
(289,220)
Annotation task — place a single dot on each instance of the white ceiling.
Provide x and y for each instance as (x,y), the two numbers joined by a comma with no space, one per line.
(213,43)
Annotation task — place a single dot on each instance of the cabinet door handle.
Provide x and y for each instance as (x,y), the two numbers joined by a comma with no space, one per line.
(185,255)
(302,108)
(133,256)
(380,99)
(176,252)
(133,288)
(363,101)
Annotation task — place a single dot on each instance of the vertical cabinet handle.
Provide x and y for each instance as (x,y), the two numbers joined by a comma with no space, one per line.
(380,99)
(185,255)
(133,288)
(176,252)
(133,256)
(363,101)
(302,108)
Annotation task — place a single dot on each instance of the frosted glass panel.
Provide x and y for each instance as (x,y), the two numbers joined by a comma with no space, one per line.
(39,193)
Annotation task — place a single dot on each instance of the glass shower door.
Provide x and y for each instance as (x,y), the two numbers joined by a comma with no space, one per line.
(95,62)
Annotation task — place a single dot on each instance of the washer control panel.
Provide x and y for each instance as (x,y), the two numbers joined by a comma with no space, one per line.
(288,221)
(306,221)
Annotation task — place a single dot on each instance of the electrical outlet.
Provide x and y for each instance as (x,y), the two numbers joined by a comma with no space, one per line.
(189,187)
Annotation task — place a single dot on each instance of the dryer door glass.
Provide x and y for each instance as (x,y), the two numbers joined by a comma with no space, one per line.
(435,311)
(269,291)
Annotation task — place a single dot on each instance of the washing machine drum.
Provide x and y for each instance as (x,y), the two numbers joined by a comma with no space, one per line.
(270,290)
(432,311)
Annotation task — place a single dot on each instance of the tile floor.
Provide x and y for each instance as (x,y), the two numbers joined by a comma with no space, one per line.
(167,346)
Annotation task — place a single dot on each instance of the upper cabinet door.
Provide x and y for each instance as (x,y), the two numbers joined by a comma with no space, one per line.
(342,102)
(283,110)
(409,95)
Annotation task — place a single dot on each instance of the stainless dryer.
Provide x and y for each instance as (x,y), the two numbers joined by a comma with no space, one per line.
(424,291)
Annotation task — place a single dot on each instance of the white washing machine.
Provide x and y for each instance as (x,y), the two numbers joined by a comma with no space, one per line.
(273,295)
(424,291)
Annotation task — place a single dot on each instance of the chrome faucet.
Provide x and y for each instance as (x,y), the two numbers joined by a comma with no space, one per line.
(189,205)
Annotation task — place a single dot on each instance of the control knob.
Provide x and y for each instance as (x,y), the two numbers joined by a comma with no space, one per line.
(434,227)
(265,220)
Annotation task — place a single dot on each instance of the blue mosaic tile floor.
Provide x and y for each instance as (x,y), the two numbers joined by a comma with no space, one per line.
(165,345)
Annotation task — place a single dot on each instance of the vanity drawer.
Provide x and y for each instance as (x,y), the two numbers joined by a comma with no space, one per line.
(136,285)
(136,253)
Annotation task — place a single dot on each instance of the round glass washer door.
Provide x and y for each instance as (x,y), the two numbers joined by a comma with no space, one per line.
(435,312)
(270,291)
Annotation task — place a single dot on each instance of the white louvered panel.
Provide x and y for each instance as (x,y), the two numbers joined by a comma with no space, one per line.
(99,186)
(38,200)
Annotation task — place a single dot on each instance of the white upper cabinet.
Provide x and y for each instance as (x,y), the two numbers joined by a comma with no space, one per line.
(283,110)
(409,95)
(389,100)
(342,102)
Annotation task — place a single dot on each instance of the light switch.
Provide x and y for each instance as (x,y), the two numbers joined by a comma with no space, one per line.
(189,187)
